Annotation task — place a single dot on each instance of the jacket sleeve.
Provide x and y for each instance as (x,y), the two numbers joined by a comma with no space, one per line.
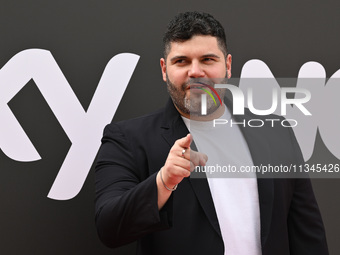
(126,197)
(306,231)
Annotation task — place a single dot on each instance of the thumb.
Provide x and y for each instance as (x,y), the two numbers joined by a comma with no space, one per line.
(203,159)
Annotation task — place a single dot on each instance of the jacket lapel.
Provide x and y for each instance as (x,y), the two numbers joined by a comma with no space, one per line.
(173,129)
(261,154)
(201,187)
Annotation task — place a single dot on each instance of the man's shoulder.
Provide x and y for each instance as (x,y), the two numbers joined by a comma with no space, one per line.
(137,125)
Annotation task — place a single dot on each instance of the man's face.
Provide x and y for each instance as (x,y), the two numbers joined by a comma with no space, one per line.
(198,57)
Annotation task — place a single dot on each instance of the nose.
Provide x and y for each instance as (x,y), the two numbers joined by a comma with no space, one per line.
(196,70)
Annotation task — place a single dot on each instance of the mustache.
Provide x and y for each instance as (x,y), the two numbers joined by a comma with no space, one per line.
(203,82)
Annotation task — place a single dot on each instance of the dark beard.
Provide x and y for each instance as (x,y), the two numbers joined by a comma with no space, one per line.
(193,106)
(177,95)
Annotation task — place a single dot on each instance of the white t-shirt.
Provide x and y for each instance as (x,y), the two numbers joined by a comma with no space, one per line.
(235,199)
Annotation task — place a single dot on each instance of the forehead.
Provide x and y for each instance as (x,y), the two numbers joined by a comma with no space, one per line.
(195,46)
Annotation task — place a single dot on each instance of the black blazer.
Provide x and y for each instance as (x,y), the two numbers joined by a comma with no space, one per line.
(133,151)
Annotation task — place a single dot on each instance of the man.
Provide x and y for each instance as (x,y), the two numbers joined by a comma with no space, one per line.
(146,189)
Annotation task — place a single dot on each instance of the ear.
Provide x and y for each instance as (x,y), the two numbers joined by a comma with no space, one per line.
(228,65)
(163,68)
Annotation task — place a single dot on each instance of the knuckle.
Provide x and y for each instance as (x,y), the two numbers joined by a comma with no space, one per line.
(173,148)
(187,173)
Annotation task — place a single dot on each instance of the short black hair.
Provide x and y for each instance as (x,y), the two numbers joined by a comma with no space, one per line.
(185,25)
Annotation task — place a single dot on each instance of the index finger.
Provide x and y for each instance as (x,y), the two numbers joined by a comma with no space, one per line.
(185,141)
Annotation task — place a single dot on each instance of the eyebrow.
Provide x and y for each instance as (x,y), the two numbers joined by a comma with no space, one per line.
(204,56)
(210,55)
(177,57)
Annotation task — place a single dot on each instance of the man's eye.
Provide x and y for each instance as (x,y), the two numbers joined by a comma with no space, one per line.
(179,61)
(208,59)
